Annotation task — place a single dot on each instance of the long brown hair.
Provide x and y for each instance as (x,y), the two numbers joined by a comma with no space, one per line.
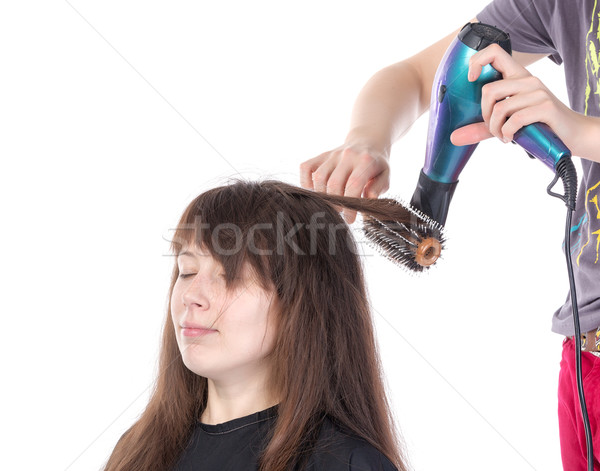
(325,357)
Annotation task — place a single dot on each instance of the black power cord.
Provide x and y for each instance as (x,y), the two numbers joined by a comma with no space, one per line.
(565,170)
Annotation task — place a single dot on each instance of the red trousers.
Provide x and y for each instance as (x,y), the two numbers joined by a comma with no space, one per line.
(572,435)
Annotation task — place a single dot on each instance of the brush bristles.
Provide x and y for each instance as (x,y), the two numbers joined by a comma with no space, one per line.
(399,241)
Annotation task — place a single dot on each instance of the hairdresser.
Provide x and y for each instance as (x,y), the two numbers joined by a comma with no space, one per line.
(565,32)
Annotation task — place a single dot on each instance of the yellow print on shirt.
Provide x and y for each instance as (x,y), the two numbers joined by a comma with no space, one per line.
(592,209)
(592,95)
(592,58)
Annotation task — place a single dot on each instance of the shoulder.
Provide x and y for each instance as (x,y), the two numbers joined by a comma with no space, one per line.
(336,450)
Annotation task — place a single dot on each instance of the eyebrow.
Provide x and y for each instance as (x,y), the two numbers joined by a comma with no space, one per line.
(191,254)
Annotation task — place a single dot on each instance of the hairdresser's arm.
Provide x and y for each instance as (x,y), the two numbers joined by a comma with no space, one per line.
(530,102)
(385,109)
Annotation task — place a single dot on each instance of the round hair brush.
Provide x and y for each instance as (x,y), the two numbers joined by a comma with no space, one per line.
(397,230)
(405,235)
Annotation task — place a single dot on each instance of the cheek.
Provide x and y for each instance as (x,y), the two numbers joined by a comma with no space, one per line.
(176,300)
(270,333)
(176,306)
(252,336)
(265,337)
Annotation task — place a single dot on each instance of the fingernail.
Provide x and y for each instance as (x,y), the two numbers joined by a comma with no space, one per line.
(505,140)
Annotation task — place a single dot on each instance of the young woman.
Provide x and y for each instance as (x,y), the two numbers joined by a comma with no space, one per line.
(268,360)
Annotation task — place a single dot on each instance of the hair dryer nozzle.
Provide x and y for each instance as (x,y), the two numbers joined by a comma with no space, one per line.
(433,197)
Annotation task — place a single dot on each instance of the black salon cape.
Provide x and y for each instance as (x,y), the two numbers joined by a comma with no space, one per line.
(236,445)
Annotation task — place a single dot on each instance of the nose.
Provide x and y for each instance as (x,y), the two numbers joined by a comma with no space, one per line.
(197,293)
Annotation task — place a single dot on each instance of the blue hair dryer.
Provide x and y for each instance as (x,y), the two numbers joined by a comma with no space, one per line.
(456,102)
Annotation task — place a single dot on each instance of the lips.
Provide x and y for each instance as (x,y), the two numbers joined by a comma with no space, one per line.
(195,330)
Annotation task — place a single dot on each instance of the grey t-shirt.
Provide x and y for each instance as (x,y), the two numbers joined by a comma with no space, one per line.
(567,30)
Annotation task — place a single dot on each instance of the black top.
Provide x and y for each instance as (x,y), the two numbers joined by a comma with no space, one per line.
(237,444)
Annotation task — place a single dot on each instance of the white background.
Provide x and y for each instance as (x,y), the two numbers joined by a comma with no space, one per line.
(115,114)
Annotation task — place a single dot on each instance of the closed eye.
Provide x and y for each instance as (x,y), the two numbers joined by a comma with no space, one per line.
(186,275)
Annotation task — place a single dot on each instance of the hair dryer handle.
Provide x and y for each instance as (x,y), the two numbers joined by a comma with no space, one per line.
(540,141)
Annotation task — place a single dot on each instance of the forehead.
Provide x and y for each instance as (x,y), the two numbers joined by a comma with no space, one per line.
(193,251)
(202,255)
(198,256)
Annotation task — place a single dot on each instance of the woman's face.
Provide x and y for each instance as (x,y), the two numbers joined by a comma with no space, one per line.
(224,334)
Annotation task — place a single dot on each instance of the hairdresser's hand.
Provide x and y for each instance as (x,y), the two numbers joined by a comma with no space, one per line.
(515,101)
(351,170)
